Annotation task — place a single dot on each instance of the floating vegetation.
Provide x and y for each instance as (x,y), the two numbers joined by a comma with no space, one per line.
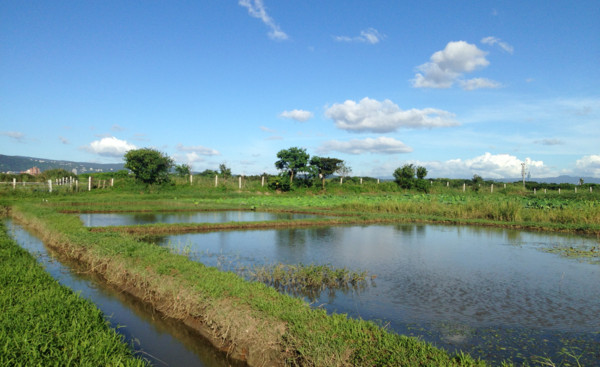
(591,254)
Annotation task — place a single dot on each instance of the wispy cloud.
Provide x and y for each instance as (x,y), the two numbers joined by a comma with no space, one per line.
(450,64)
(503,45)
(116,127)
(109,147)
(266,129)
(63,140)
(382,117)
(383,145)
(370,35)
(549,142)
(18,136)
(198,149)
(256,9)
(298,115)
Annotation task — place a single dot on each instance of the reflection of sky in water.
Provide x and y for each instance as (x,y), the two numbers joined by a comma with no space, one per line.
(162,341)
(126,219)
(470,277)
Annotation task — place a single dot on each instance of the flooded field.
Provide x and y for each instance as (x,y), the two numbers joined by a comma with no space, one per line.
(127,219)
(495,293)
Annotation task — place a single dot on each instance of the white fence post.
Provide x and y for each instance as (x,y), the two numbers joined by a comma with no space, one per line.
(216,180)
(240,182)
(112,182)
(464,186)
(90,183)
(492,188)
(262,183)
(361,180)
(576,190)
(377,181)
(15,183)
(559,190)
(77,185)
(191,179)
(341,180)
(534,191)
(49,185)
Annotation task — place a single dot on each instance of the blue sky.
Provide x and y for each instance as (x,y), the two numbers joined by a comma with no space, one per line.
(460,87)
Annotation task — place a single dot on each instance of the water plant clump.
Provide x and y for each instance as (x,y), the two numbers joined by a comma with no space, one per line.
(308,280)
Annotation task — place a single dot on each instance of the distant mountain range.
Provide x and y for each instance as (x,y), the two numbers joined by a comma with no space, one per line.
(16,164)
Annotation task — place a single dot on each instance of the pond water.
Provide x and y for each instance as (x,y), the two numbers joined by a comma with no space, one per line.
(126,219)
(494,293)
(163,342)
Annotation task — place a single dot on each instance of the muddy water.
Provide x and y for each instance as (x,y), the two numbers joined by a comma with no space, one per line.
(494,293)
(124,219)
(163,342)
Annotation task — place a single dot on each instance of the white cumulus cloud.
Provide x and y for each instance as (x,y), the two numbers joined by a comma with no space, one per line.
(588,165)
(298,115)
(493,166)
(503,45)
(448,65)
(382,145)
(199,150)
(109,147)
(256,9)
(381,117)
(370,35)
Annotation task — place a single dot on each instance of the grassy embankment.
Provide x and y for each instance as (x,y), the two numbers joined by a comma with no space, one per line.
(250,320)
(43,323)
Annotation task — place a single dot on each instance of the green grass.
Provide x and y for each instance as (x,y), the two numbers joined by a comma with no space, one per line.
(43,323)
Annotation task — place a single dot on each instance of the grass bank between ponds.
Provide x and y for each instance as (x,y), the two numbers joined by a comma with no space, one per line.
(43,323)
(251,321)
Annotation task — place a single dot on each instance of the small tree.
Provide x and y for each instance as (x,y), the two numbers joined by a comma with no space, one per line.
(405,175)
(325,166)
(148,165)
(225,171)
(182,170)
(343,170)
(421,172)
(292,160)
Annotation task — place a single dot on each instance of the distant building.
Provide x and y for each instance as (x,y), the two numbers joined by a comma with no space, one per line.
(33,171)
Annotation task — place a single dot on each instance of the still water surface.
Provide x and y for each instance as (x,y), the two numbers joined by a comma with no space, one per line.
(163,342)
(491,292)
(126,219)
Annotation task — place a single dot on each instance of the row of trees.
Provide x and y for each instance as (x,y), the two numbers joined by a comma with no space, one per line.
(152,167)
(296,160)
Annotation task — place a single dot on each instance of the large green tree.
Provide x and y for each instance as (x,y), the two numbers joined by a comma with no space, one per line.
(325,166)
(293,160)
(149,165)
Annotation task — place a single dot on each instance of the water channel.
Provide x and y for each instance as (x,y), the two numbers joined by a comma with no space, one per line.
(161,341)
(125,219)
